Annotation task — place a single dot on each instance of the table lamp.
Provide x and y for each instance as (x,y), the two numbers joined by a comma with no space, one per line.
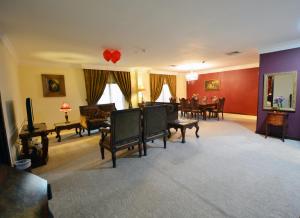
(65,107)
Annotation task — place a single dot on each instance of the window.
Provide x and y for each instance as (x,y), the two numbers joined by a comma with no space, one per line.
(113,94)
(165,94)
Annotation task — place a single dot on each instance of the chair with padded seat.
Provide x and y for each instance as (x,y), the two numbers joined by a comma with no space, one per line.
(154,124)
(124,132)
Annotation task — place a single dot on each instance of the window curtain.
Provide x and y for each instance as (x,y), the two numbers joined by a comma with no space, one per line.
(123,80)
(171,81)
(156,85)
(95,82)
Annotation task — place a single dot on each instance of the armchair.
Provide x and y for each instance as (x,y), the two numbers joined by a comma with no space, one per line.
(93,116)
(124,132)
(154,124)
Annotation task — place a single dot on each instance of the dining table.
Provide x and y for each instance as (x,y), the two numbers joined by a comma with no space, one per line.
(206,106)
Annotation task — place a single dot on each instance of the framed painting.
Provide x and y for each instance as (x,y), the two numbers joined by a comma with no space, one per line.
(53,85)
(212,85)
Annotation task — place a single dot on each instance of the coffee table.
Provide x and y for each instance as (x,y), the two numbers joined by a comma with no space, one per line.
(182,125)
(67,126)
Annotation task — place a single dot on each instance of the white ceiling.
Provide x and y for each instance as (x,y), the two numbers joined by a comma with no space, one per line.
(153,33)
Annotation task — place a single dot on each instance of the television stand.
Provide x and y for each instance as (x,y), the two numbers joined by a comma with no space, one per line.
(40,130)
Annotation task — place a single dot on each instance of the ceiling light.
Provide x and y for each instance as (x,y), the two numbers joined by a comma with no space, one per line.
(192,76)
(192,66)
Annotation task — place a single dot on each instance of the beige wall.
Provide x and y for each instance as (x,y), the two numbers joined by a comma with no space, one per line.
(46,109)
(10,93)
(143,78)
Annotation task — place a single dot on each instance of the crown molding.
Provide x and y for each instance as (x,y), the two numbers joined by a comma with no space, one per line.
(237,67)
(8,45)
(280,46)
(130,69)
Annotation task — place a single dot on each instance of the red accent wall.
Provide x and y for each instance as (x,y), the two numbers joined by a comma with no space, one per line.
(239,87)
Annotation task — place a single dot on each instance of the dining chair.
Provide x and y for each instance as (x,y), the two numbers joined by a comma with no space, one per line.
(124,132)
(219,109)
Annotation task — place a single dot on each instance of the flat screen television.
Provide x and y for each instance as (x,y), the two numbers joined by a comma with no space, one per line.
(4,150)
(30,118)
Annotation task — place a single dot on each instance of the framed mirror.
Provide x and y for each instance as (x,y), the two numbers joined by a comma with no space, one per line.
(280,91)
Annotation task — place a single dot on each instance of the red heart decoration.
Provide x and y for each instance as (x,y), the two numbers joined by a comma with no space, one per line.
(115,56)
(107,54)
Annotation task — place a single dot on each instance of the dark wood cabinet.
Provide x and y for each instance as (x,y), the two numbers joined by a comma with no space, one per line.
(40,130)
(278,119)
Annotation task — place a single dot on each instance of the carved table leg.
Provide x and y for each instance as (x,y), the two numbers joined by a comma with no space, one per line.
(169,133)
(45,143)
(58,135)
(197,129)
(80,130)
(183,134)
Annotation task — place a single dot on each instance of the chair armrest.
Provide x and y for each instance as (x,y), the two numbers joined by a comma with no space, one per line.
(83,121)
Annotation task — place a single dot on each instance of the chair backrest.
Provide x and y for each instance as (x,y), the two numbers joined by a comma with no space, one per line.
(194,103)
(172,100)
(125,126)
(221,104)
(86,110)
(154,120)
(204,99)
(214,99)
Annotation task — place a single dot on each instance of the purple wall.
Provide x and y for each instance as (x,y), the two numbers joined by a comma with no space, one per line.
(275,62)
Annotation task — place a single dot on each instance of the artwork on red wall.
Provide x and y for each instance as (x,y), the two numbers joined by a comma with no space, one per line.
(212,85)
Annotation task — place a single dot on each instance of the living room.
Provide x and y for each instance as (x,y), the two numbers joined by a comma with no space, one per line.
(239,158)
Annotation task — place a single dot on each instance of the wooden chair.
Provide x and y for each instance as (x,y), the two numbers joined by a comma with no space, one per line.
(195,109)
(154,124)
(172,100)
(220,109)
(185,107)
(124,132)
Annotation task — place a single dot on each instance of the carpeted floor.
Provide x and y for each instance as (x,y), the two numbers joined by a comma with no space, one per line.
(228,172)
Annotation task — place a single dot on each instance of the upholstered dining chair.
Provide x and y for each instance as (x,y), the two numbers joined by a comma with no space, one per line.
(220,109)
(154,124)
(185,106)
(124,132)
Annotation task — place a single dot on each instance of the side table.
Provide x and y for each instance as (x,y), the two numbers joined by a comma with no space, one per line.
(279,119)
(67,126)
(40,130)
(182,125)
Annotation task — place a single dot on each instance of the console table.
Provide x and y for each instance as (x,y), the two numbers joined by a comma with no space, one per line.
(40,130)
(23,194)
(182,125)
(279,119)
(67,126)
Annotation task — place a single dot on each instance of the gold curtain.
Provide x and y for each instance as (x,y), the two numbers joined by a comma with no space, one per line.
(124,82)
(171,81)
(156,84)
(95,82)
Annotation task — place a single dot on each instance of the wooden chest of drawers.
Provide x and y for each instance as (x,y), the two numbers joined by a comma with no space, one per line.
(279,119)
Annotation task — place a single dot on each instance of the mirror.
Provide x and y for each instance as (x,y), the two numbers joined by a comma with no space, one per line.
(280,91)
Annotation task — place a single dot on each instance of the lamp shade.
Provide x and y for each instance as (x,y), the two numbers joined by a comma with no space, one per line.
(65,107)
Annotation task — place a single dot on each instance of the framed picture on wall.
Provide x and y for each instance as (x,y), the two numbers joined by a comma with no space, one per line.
(212,85)
(53,85)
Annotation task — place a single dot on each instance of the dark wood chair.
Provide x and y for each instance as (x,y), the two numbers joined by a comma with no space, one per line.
(154,124)
(219,109)
(172,100)
(185,107)
(124,132)
(196,110)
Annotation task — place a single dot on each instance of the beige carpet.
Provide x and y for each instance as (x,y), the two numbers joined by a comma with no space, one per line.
(228,172)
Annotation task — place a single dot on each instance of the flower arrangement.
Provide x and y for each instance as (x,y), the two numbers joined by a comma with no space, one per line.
(279,100)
